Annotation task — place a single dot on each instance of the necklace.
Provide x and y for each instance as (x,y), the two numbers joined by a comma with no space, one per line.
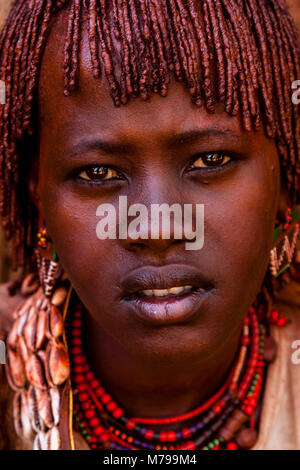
(226,421)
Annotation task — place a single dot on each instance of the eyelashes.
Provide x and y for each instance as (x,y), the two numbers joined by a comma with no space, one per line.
(210,162)
(98,173)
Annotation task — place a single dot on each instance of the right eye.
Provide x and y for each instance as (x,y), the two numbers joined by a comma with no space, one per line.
(98,173)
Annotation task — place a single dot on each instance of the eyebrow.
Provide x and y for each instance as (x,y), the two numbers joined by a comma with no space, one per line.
(118,147)
(195,134)
(107,146)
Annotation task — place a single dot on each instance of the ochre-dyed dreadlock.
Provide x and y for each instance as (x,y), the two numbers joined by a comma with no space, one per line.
(244,54)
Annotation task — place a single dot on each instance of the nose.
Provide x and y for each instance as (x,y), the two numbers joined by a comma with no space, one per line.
(161,217)
(156,246)
(156,228)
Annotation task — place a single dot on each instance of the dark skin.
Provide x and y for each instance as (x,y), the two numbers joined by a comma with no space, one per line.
(168,369)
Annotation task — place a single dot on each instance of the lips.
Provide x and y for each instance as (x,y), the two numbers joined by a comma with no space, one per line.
(165,295)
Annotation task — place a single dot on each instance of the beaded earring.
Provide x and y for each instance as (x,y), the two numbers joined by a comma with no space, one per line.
(285,238)
(49,269)
(43,238)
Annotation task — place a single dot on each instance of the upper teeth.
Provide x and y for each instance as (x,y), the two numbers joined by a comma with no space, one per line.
(165,292)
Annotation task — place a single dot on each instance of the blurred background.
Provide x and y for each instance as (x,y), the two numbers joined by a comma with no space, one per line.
(295,8)
(5,269)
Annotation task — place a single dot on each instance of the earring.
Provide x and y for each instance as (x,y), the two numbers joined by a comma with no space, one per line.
(49,269)
(43,238)
(285,236)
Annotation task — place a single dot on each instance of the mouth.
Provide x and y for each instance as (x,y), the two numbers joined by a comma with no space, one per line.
(163,293)
(166,295)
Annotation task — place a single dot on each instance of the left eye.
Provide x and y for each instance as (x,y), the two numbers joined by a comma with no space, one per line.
(211,160)
(98,173)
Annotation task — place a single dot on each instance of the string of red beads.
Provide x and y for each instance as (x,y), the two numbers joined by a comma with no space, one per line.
(105,425)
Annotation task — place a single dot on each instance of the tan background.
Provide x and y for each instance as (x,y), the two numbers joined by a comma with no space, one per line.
(5,273)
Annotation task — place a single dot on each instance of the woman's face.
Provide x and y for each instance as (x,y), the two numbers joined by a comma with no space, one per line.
(150,147)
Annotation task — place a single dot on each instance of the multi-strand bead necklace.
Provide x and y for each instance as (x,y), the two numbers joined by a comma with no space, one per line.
(226,421)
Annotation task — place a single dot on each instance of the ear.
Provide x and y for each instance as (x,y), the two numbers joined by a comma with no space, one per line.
(284,202)
(33,190)
(33,187)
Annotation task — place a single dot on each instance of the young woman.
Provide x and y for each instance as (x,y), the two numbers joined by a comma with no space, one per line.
(139,343)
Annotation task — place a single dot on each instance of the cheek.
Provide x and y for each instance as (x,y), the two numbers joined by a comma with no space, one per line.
(241,222)
(72,225)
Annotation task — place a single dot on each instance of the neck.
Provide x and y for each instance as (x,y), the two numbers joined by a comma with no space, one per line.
(161,387)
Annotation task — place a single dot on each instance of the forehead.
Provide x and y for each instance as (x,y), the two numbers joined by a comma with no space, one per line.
(90,109)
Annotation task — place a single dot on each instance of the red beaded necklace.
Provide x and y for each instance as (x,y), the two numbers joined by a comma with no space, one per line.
(225,421)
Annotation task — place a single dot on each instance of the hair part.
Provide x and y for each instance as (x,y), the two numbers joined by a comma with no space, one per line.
(243,54)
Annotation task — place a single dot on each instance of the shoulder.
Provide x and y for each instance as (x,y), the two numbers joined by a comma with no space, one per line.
(287,302)
(8,304)
(280,419)
(8,437)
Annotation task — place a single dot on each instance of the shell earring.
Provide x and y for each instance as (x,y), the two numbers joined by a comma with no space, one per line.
(285,238)
(49,268)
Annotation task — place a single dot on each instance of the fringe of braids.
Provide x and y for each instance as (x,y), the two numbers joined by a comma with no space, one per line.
(244,54)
